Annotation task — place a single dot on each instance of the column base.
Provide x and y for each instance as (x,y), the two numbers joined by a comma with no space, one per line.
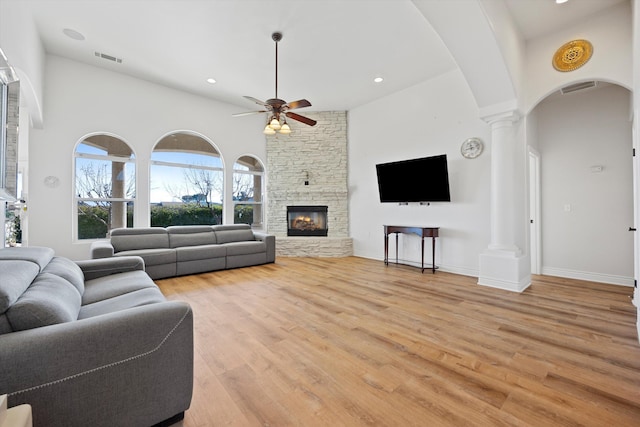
(508,270)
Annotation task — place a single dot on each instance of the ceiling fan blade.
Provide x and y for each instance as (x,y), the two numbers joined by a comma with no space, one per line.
(257,101)
(298,104)
(248,113)
(302,119)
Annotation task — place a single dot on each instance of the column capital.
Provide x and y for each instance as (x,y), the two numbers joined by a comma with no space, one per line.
(505,117)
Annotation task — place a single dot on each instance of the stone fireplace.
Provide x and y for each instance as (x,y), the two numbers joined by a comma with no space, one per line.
(307,221)
(308,168)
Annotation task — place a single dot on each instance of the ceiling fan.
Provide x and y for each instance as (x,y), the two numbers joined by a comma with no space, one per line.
(279,109)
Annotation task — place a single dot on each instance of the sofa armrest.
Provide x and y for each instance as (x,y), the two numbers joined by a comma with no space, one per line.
(270,241)
(101,249)
(132,367)
(95,268)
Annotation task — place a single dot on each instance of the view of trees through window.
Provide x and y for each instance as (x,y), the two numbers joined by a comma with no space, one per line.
(187,182)
(104,186)
(247,191)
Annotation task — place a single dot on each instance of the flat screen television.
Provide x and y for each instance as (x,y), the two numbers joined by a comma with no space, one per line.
(417,180)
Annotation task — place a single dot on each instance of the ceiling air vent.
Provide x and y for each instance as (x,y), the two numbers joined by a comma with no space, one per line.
(109,57)
(578,86)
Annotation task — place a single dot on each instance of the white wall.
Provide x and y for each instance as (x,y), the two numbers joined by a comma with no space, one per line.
(585,214)
(21,44)
(431,118)
(80,99)
(610,33)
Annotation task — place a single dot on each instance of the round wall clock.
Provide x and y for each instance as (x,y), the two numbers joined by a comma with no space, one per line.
(572,55)
(471,148)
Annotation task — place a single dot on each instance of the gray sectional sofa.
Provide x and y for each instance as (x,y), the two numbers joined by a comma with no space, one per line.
(91,343)
(188,249)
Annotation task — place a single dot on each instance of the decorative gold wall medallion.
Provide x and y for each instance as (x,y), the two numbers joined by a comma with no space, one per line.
(572,55)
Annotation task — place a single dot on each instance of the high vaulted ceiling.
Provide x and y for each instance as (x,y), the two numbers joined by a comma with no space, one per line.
(330,52)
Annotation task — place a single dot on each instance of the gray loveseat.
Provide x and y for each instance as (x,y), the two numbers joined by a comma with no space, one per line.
(189,249)
(92,343)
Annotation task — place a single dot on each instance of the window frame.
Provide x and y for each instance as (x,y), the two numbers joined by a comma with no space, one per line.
(262,174)
(214,153)
(76,200)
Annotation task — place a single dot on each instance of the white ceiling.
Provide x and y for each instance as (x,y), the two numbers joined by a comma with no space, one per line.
(539,17)
(330,52)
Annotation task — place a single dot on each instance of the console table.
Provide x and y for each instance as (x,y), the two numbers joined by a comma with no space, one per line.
(422,232)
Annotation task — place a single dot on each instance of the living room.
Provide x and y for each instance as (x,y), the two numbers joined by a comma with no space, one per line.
(64,100)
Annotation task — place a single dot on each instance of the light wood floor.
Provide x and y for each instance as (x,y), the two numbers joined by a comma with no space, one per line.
(351,342)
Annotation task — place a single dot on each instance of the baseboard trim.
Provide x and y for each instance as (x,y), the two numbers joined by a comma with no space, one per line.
(444,268)
(588,276)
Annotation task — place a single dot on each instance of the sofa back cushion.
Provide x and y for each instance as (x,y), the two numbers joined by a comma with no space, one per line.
(233,233)
(191,235)
(15,278)
(127,239)
(36,254)
(68,270)
(49,300)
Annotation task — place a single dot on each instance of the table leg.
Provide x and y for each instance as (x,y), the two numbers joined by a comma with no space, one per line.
(433,255)
(386,249)
(422,252)
(397,247)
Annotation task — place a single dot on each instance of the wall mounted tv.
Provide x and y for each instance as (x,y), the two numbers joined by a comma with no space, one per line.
(416,180)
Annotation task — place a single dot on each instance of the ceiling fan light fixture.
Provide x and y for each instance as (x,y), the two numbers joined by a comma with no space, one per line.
(277,108)
(274,124)
(285,129)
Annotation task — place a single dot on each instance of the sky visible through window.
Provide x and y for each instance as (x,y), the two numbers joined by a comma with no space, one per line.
(169,183)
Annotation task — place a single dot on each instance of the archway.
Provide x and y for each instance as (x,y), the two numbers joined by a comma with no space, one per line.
(586,184)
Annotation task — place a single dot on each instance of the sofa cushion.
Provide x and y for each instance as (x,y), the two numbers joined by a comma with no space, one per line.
(122,302)
(193,253)
(38,255)
(246,260)
(114,285)
(191,235)
(233,233)
(152,256)
(245,248)
(5,326)
(126,239)
(49,300)
(15,278)
(68,270)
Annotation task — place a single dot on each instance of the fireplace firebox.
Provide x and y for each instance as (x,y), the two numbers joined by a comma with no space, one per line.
(307,221)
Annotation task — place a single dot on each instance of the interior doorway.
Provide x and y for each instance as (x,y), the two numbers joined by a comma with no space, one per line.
(534,211)
(585,192)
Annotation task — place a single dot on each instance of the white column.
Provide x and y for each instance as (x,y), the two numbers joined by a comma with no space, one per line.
(503,183)
(502,264)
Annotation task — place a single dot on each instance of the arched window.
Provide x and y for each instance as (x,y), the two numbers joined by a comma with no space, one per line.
(248,175)
(104,186)
(186,181)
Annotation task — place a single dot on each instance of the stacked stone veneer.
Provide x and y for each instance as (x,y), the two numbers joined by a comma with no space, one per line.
(317,153)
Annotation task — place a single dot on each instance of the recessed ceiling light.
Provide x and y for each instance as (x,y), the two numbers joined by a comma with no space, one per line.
(378,79)
(211,80)
(73,34)
(561,1)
